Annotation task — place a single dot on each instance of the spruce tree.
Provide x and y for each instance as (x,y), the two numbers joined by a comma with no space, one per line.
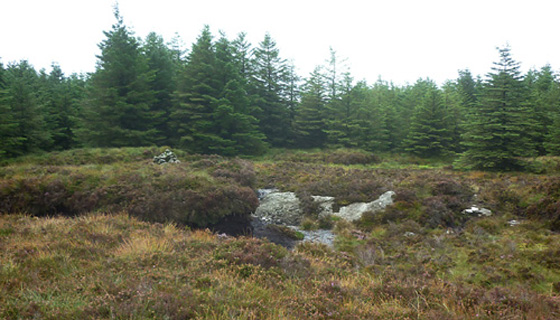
(8,124)
(233,120)
(544,96)
(163,64)
(367,125)
(499,127)
(385,99)
(25,117)
(429,135)
(196,97)
(309,122)
(269,85)
(455,115)
(60,101)
(117,112)
(341,114)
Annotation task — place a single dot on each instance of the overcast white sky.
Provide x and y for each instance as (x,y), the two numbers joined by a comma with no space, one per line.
(399,40)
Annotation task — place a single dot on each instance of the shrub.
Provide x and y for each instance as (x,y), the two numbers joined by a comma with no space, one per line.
(153,192)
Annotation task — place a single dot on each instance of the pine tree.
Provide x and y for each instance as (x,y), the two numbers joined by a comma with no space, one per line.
(309,122)
(164,64)
(340,118)
(467,88)
(25,117)
(8,124)
(498,128)
(243,55)
(455,115)
(233,119)
(118,109)
(544,96)
(61,109)
(269,83)
(196,97)
(404,107)
(429,134)
(367,125)
(385,99)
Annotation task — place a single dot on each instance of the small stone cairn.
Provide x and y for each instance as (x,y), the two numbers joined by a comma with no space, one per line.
(166,157)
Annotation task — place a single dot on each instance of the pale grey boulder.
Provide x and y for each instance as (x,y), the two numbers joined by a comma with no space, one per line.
(279,208)
(355,211)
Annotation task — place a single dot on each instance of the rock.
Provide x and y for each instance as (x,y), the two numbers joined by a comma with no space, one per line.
(354,211)
(325,205)
(166,157)
(478,211)
(318,236)
(261,193)
(283,209)
(279,208)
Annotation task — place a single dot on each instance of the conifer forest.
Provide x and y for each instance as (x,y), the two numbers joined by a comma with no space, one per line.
(229,97)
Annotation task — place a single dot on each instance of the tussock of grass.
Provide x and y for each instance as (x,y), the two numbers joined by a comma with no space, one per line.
(114,266)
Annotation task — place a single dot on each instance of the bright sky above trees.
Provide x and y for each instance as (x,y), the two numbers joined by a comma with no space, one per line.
(398,40)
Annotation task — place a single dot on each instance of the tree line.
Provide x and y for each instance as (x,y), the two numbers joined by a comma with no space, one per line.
(232,98)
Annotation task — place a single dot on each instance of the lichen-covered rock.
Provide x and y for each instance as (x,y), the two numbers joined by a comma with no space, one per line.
(478,211)
(280,208)
(354,211)
(166,157)
(325,205)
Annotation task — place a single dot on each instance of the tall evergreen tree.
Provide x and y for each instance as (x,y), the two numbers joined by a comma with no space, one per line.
(499,127)
(341,115)
(404,107)
(309,122)
(8,124)
(468,88)
(196,97)
(455,114)
(367,125)
(25,116)
(118,109)
(269,83)
(429,134)
(544,97)
(164,64)
(233,116)
(243,55)
(60,103)
(385,101)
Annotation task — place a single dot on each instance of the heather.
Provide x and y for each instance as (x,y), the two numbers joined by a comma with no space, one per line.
(108,234)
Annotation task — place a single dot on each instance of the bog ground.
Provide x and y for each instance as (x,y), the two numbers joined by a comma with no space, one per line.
(107,234)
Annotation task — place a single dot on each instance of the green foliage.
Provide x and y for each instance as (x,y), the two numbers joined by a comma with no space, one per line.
(268,85)
(229,98)
(117,111)
(309,122)
(214,113)
(23,125)
(429,134)
(499,128)
(164,64)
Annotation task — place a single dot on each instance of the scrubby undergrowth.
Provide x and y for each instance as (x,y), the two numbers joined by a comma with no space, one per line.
(116,267)
(199,191)
(421,258)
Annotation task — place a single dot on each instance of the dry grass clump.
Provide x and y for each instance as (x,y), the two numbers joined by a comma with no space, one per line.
(117,267)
